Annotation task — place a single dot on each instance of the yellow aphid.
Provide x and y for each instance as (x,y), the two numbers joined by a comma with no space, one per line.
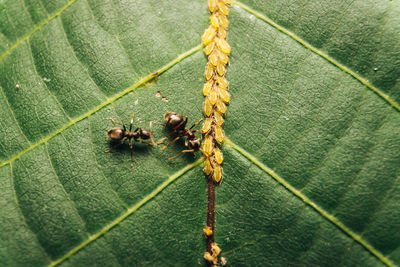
(223,45)
(227,2)
(223,21)
(208,35)
(213,58)
(206,126)
(208,146)
(208,231)
(223,83)
(207,107)
(218,118)
(221,107)
(218,156)
(223,58)
(215,249)
(217,175)
(213,96)
(222,33)
(209,71)
(214,21)
(209,258)
(212,5)
(221,68)
(207,87)
(223,95)
(223,8)
(219,133)
(207,167)
(209,48)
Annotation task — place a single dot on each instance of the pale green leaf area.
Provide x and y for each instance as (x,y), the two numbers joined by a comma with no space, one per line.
(311,159)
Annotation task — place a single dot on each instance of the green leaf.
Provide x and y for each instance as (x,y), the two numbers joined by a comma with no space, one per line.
(312,155)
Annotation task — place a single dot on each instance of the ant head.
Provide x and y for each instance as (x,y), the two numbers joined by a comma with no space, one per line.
(173,119)
(168,115)
(116,133)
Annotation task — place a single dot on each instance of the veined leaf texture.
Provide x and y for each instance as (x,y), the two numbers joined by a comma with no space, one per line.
(311,157)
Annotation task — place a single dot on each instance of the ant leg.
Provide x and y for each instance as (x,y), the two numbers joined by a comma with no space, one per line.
(131,148)
(181,153)
(144,142)
(115,146)
(162,140)
(173,141)
(195,124)
(131,122)
(151,133)
(119,123)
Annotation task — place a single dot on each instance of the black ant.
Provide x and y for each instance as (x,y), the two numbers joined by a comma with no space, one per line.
(178,123)
(121,134)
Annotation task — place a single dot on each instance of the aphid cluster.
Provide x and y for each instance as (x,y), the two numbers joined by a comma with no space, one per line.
(176,122)
(213,256)
(215,89)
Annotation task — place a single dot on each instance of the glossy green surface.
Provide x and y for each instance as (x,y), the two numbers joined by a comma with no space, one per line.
(312,156)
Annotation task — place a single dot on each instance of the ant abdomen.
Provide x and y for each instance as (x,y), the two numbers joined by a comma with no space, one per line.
(116,133)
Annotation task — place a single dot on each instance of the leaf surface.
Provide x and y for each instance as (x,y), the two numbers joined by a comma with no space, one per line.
(312,156)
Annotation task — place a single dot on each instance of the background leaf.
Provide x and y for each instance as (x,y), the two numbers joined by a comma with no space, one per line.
(312,157)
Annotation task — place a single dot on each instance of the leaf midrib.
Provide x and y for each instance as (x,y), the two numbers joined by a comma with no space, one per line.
(326,215)
(266,169)
(149,77)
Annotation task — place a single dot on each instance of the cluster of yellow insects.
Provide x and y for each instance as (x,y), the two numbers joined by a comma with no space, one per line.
(215,89)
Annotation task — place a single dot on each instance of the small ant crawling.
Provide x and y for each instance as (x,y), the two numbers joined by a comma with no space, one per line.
(178,123)
(121,134)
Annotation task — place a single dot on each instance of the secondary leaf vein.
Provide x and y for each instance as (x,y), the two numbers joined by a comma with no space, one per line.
(309,202)
(130,211)
(35,29)
(320,53)
(108,101)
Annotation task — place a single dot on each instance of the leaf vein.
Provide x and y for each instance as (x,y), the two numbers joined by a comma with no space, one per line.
(309,202)
(23,216)
(116,38)
(367,155)
(99,168)
(35,29)
(62,186)
(13,115)
(44,83)
(129,212)
(330,59)
(78,60)
(108,101)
